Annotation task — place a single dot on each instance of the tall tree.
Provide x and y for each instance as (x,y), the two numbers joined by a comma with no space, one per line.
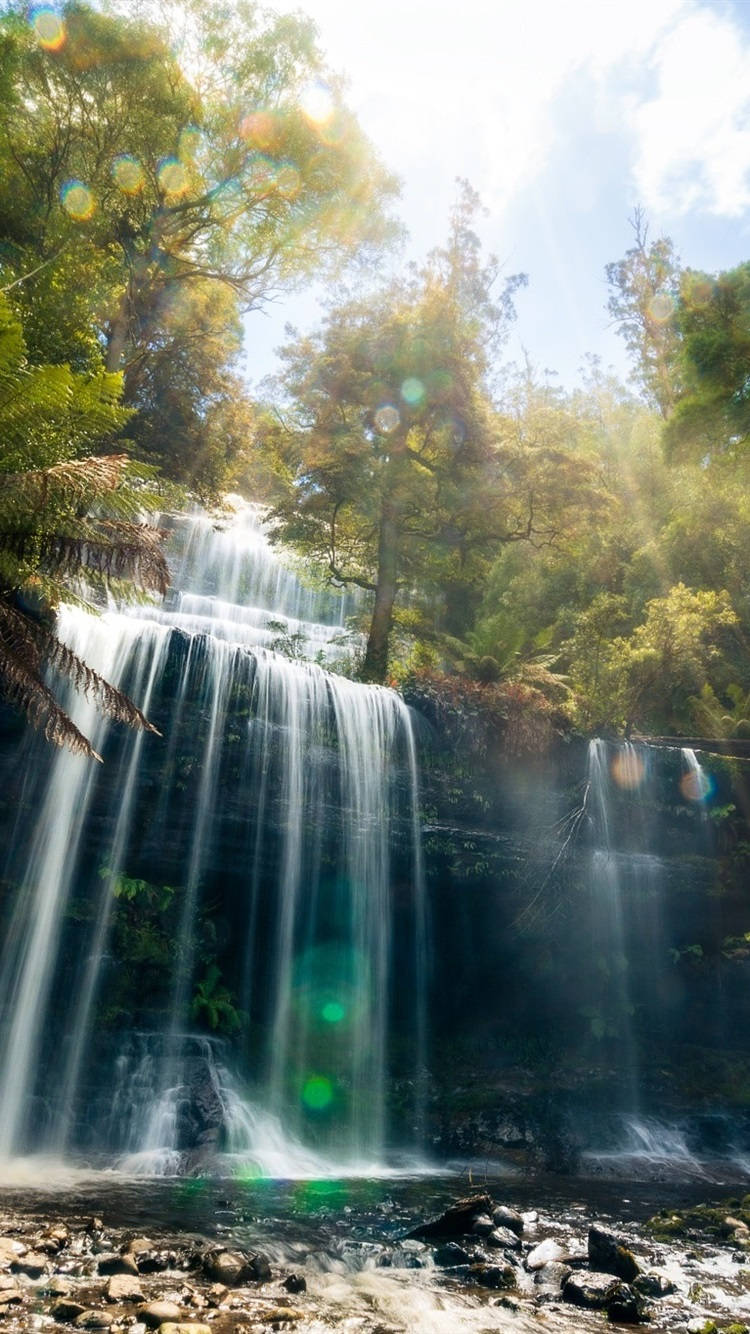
(644,289)
(401,475)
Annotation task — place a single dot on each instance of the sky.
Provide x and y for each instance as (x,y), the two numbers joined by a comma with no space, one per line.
(564,117)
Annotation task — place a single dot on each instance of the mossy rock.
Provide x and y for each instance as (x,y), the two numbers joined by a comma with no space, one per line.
(702,1221)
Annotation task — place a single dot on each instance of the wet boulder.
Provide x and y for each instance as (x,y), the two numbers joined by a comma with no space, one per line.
(547,1252)
(605,1292)
(450,1255)
(117,1264)
(609,1255)
(234,1267)
(493,1276)
(94,1319)
(653,1284)
(67,1310)
(501,1238)
(504,1216)
(458,1220)
(155,1314)
(124,1288)
(551,1278)
(294,1283)
(33,1263)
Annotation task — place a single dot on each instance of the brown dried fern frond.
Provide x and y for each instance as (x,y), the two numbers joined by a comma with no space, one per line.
(74,479)
(25,645)
(22,686)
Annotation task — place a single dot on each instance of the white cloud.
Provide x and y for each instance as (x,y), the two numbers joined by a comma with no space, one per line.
(693,136)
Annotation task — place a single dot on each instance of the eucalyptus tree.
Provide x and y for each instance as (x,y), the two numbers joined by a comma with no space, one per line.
(400,475)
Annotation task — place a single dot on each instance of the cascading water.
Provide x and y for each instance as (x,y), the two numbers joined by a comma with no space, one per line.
(284,791)
(625,901)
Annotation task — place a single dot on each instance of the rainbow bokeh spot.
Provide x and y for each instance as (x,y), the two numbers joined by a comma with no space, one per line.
(173,177)
(77,200)
(48,26)
(317,1093)
(387,418)
(412,390)
(128,174)
(628,769)
(661,307)
(695,785)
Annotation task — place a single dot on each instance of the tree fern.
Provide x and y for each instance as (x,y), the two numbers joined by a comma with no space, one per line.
(64,519)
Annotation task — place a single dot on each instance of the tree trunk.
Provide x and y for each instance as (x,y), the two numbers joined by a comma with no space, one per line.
(117,336)
(375,665)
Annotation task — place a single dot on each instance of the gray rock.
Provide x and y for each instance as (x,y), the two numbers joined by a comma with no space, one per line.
(552,1277)
(482,1225)
(653,1284)
(545,1253)
(493,1276)
(590,1290)
(57,1286)
(32,1263)
(186,1327)
(458,1221)
(609,1255)
(117,1264)
(227,1267)
(137,1245)
(159,1313)
(450,1255)
(67,1310)
(504,1216)
(501,1238)
(10,1249)
(93,1319)
(124,1288)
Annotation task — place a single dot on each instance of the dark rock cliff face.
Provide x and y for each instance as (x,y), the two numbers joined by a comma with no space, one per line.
(544,1029)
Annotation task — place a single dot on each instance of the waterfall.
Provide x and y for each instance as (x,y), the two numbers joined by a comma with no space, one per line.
(625,898)
(284,792)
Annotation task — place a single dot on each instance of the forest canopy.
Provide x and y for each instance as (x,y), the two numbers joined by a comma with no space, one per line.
(589,546)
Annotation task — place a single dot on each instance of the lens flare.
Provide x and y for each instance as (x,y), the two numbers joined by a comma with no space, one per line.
(317,1093)
(695,785)
(628,769)
(77,200)
(173,178)
(412,390)
(317,102)
(189,142)
(263,173)
(48,27)
(288,180)
(387,418)
(333,1012)
(661,307)
(261,129)
(128,174)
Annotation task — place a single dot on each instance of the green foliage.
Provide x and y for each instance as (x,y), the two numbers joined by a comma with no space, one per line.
(711,420)
(648,677)
(643,299)
(63,517)
(170,175)
(212,1004)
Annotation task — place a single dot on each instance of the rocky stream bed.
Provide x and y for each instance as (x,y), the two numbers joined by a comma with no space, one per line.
(378,1257)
